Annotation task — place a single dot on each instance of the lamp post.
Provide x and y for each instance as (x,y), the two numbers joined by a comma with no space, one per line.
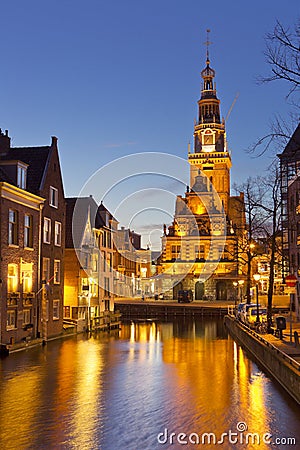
(256,277)
(241,284)
(235,284)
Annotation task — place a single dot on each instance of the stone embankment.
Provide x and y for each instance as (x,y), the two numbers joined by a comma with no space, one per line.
(279,359)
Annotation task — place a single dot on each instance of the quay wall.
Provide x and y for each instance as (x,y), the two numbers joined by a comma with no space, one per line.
(283,368)
(160,311)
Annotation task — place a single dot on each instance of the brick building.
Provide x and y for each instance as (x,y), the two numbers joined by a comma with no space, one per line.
(20,213)
(36,170)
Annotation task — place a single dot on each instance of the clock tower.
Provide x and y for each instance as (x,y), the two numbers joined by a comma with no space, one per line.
(210,153)
(200,248)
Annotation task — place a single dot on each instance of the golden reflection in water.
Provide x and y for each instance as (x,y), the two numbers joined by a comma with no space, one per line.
(216,375)
(23,395)
(66,376)
(144,333)
(88,388)
(78,389)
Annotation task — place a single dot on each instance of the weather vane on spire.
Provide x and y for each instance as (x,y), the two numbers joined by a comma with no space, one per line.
(207,43)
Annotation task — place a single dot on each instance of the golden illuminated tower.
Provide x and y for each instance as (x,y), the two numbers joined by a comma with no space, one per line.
(200,248)
(210,148)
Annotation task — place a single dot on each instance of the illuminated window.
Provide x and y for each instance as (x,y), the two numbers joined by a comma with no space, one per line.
(199,251)
(106,287)
(27,277)
(57,234)
(28,241)
(13,227)
(21,176)
(84,284)
(93,288)
(104,261)
(109,261)
(175,251)
(56,271)
(81,313)
(26,316)
(12,278)
(67,312)
(47,230)
(11,322)
(55,309)
(53,200)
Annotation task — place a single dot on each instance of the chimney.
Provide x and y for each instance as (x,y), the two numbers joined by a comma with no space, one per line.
(4,142)
(54,141)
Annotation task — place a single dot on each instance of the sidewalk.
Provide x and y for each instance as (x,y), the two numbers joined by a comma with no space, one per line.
(285,345)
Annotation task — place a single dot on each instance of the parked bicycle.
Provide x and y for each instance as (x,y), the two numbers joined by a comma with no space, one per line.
(261,328)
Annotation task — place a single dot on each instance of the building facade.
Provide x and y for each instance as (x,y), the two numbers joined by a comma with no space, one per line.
(290,193)
(20,213)
(89,297)
(38,172)
(200,248)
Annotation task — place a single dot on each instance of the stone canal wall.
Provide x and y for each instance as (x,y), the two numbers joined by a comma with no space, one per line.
(283,368)
(160,311)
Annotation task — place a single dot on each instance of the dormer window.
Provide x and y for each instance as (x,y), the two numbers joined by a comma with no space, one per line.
(53,201)
(21,176)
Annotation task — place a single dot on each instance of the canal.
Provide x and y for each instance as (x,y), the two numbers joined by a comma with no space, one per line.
(132,389)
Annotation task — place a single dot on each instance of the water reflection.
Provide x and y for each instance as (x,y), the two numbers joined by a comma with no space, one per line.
(119,391)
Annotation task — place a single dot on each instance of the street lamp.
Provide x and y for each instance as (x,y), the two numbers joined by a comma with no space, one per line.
(256,277)
(235,284)
(241,284)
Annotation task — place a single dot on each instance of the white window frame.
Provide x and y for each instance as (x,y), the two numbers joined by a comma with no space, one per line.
(13,227)
(57,273)
(53,197)
(28,231)
(47,232)
(21,176)
(57,234)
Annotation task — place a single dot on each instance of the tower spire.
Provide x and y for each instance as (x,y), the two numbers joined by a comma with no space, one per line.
(207,43)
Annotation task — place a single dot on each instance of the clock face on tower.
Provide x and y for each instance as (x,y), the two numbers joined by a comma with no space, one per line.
(208,139)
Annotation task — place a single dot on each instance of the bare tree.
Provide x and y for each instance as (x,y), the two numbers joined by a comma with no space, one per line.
(283,56)
(248,248)
(270,206)
(282,52)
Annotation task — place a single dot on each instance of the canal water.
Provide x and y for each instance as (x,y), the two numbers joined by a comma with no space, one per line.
(183,384)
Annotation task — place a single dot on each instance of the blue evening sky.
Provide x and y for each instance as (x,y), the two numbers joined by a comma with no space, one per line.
(114,78)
